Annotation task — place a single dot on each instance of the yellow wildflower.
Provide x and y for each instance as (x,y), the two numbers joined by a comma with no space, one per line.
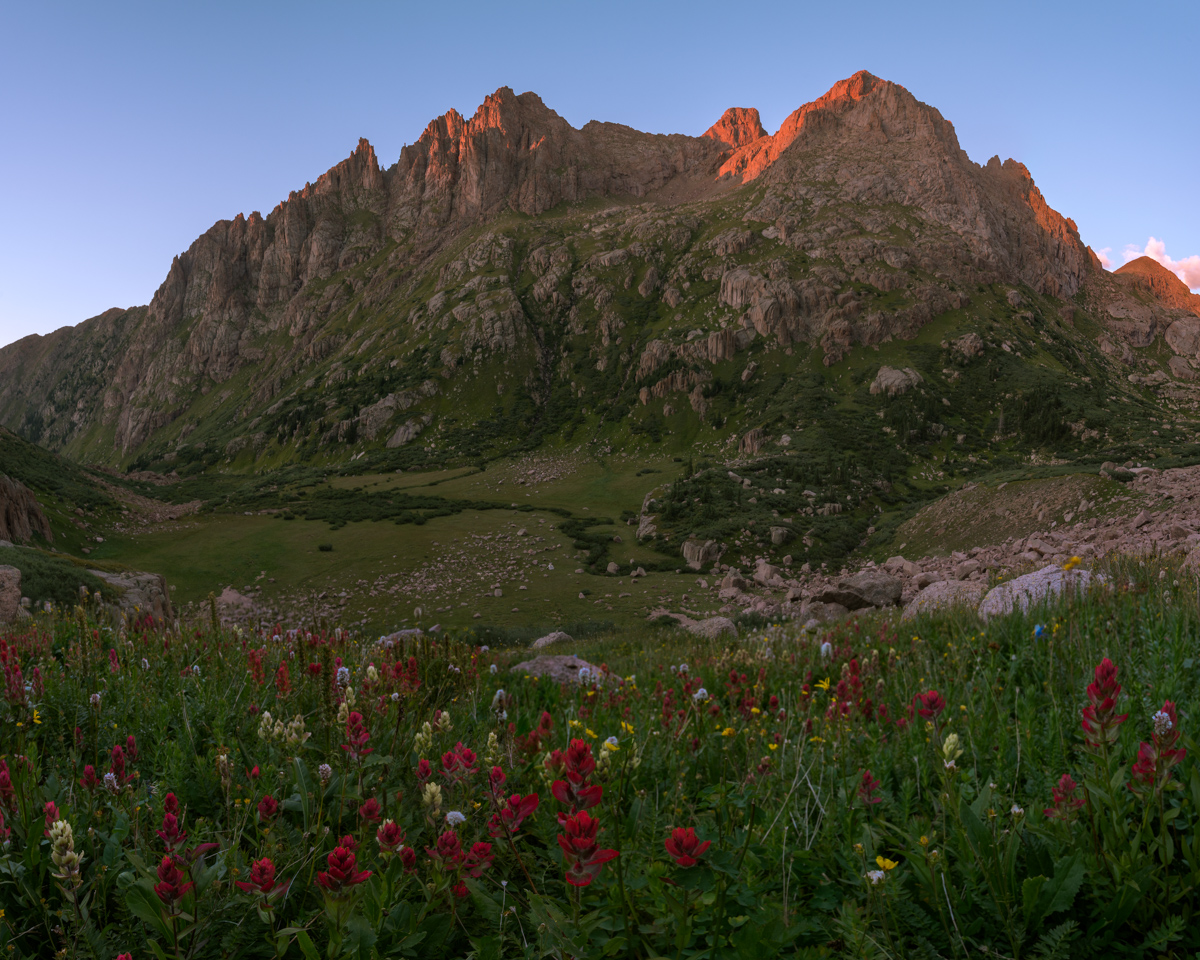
(822,684)
(886,864)
(626,728)
(36,717)
(591,733)
(729,732)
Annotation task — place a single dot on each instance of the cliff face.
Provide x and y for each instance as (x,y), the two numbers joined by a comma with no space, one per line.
(870,218)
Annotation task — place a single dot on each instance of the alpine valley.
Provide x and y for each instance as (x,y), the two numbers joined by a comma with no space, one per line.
(530,375)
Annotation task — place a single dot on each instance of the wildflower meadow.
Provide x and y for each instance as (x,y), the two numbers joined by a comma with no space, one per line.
(937,788)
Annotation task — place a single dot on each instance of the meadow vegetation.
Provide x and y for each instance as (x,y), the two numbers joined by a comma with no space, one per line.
(943,788)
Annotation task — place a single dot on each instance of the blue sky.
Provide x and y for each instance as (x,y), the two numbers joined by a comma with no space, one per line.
(129,128)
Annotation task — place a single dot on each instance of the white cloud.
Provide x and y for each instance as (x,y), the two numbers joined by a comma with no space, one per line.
(1105,260)
(1187,269)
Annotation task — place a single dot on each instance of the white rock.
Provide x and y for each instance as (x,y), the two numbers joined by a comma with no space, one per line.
(1033,588)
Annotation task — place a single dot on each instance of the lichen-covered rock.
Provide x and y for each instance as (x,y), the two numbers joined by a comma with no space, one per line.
(141,593)
(697,553)
(1023,592)
(894,382)
(945,594)
(714,627)
(562,669)
(557,636)
(868,588)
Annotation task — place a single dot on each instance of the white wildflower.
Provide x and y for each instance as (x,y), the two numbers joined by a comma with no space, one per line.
(454,818)
(876,877)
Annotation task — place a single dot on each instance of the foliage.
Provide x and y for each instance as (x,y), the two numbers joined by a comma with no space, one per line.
(53,577)
(1028,789)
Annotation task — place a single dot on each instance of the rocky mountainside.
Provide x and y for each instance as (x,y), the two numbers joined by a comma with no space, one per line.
(1153,278)
(511,279)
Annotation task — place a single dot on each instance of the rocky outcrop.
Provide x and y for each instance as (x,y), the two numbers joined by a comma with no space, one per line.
(697,553)
(141,593)
(21,515)
(894,382)
(737,127)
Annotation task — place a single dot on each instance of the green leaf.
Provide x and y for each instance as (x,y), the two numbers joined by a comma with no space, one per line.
(488,908)
(486,948)
(304,786)
(977,832)
(158,951)
(306,945)
(144,904)
(360,937)
(1068,876)
(1030,894)
(1126,901)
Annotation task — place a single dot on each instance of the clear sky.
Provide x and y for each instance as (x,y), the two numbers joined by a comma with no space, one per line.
(127,129)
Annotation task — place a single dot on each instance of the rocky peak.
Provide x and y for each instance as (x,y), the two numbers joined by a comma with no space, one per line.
(1151,276)
(737,127)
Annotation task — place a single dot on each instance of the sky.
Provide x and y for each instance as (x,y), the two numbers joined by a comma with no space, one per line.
(128,129)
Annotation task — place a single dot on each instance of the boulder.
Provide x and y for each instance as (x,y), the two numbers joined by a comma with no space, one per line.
(613,567)
(697,554)
(551,638)
(714,627)
(1023,592)
(870,588)
(765,572)
(944,594)
(1183,336)
(927,577)
(561,669)
(894,382)
(968,345)
(21,515)
(813,611)
(964,570)
(780,535)
(734,581)
(143,593)
(10,593)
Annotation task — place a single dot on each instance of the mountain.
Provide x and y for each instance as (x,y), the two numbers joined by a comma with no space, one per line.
(511,280)
(1153,278)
